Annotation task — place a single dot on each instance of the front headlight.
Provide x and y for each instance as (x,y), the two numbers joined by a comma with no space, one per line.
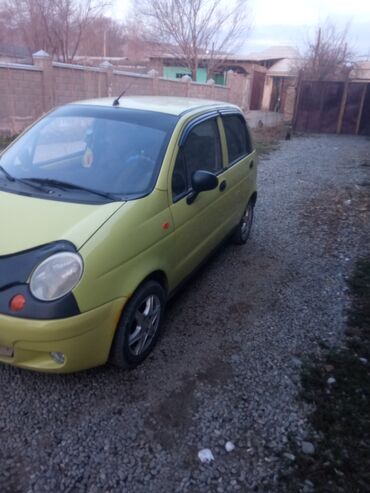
(56,276)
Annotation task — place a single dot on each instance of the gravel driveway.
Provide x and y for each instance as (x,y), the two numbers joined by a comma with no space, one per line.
(227,367)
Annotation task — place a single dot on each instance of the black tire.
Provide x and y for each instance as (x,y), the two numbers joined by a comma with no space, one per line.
(243,230)
(126,353)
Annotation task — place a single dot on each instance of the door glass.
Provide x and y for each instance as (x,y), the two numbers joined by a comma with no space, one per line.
(179,177)
(201,150)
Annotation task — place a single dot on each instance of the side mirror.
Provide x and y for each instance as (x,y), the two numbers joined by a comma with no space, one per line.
(201,181)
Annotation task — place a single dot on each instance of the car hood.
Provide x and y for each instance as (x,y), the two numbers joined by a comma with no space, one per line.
(27,222)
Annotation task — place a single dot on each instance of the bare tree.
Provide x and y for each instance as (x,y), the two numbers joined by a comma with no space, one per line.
(56,26)
(195,28)
(328,53)
(70,22)
(139,42)
(7,34)
(21,16)
(103,37)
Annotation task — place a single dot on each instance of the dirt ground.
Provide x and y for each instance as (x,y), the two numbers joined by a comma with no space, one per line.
(228,366)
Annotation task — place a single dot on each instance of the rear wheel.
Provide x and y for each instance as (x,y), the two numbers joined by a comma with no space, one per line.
(139,327)
(243,229)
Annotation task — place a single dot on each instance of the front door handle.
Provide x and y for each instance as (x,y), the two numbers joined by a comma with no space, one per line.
(222,185)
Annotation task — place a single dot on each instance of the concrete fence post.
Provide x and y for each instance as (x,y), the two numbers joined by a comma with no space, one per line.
(237,89)
(108,68)
(155,81)
(11,103)
(247,92)
(211,88)
(186,79)
(44,61)
(230,84)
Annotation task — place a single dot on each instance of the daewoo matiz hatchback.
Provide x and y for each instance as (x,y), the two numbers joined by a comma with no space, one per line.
(106,206)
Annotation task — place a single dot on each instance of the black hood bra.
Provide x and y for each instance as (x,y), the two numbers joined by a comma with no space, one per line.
(15,270)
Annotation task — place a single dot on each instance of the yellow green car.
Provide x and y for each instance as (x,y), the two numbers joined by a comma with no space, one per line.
(106,207)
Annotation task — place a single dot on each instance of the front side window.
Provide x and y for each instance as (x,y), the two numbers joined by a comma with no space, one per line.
(201,151)
(109,150)
(237,138)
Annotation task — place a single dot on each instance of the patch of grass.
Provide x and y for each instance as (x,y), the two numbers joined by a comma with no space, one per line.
(359,314)
(266,139)
(264,148)
(341,419)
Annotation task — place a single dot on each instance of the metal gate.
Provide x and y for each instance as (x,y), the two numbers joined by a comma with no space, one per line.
(332,106)
(258,85)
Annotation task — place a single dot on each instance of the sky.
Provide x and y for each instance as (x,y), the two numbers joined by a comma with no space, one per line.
(288,22)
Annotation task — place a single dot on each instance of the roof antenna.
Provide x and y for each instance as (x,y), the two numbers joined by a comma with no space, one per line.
(116,101)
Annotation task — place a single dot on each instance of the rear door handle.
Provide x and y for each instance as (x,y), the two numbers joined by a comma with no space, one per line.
(222,185)
(251,164)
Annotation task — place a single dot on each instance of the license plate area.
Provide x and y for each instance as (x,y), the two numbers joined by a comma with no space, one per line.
(6,351)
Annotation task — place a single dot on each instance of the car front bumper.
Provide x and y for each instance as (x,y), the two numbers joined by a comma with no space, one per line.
(84,340)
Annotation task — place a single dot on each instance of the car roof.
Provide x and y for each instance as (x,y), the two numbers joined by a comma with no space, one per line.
(162,104)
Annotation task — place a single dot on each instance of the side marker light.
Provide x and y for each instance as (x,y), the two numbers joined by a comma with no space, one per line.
(17,303)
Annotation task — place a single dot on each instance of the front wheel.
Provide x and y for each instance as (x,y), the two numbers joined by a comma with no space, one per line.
(243,229)
(138,329)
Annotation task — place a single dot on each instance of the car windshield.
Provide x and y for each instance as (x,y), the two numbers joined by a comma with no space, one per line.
(82,149)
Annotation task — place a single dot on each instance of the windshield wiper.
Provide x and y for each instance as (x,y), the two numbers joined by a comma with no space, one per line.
(18,180)
(72,186)
(7,174)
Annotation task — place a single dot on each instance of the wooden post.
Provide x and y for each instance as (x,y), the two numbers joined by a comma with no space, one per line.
(297,98)
(343,105)
(317,48)
(362,102)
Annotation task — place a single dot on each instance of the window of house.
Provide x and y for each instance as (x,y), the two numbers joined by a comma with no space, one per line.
(237,137)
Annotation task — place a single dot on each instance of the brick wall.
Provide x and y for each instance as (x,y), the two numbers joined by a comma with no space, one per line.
(20,97)
(28,91)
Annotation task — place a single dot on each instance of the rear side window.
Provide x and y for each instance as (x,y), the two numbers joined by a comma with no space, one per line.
(237,137)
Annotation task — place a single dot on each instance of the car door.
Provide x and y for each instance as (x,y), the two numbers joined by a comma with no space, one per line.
(240,172)
(199,226)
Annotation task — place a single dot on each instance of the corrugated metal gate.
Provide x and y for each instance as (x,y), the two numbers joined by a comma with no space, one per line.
(364,128)
(332,106)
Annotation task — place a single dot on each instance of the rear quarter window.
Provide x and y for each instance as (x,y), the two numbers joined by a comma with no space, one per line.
(237,137)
